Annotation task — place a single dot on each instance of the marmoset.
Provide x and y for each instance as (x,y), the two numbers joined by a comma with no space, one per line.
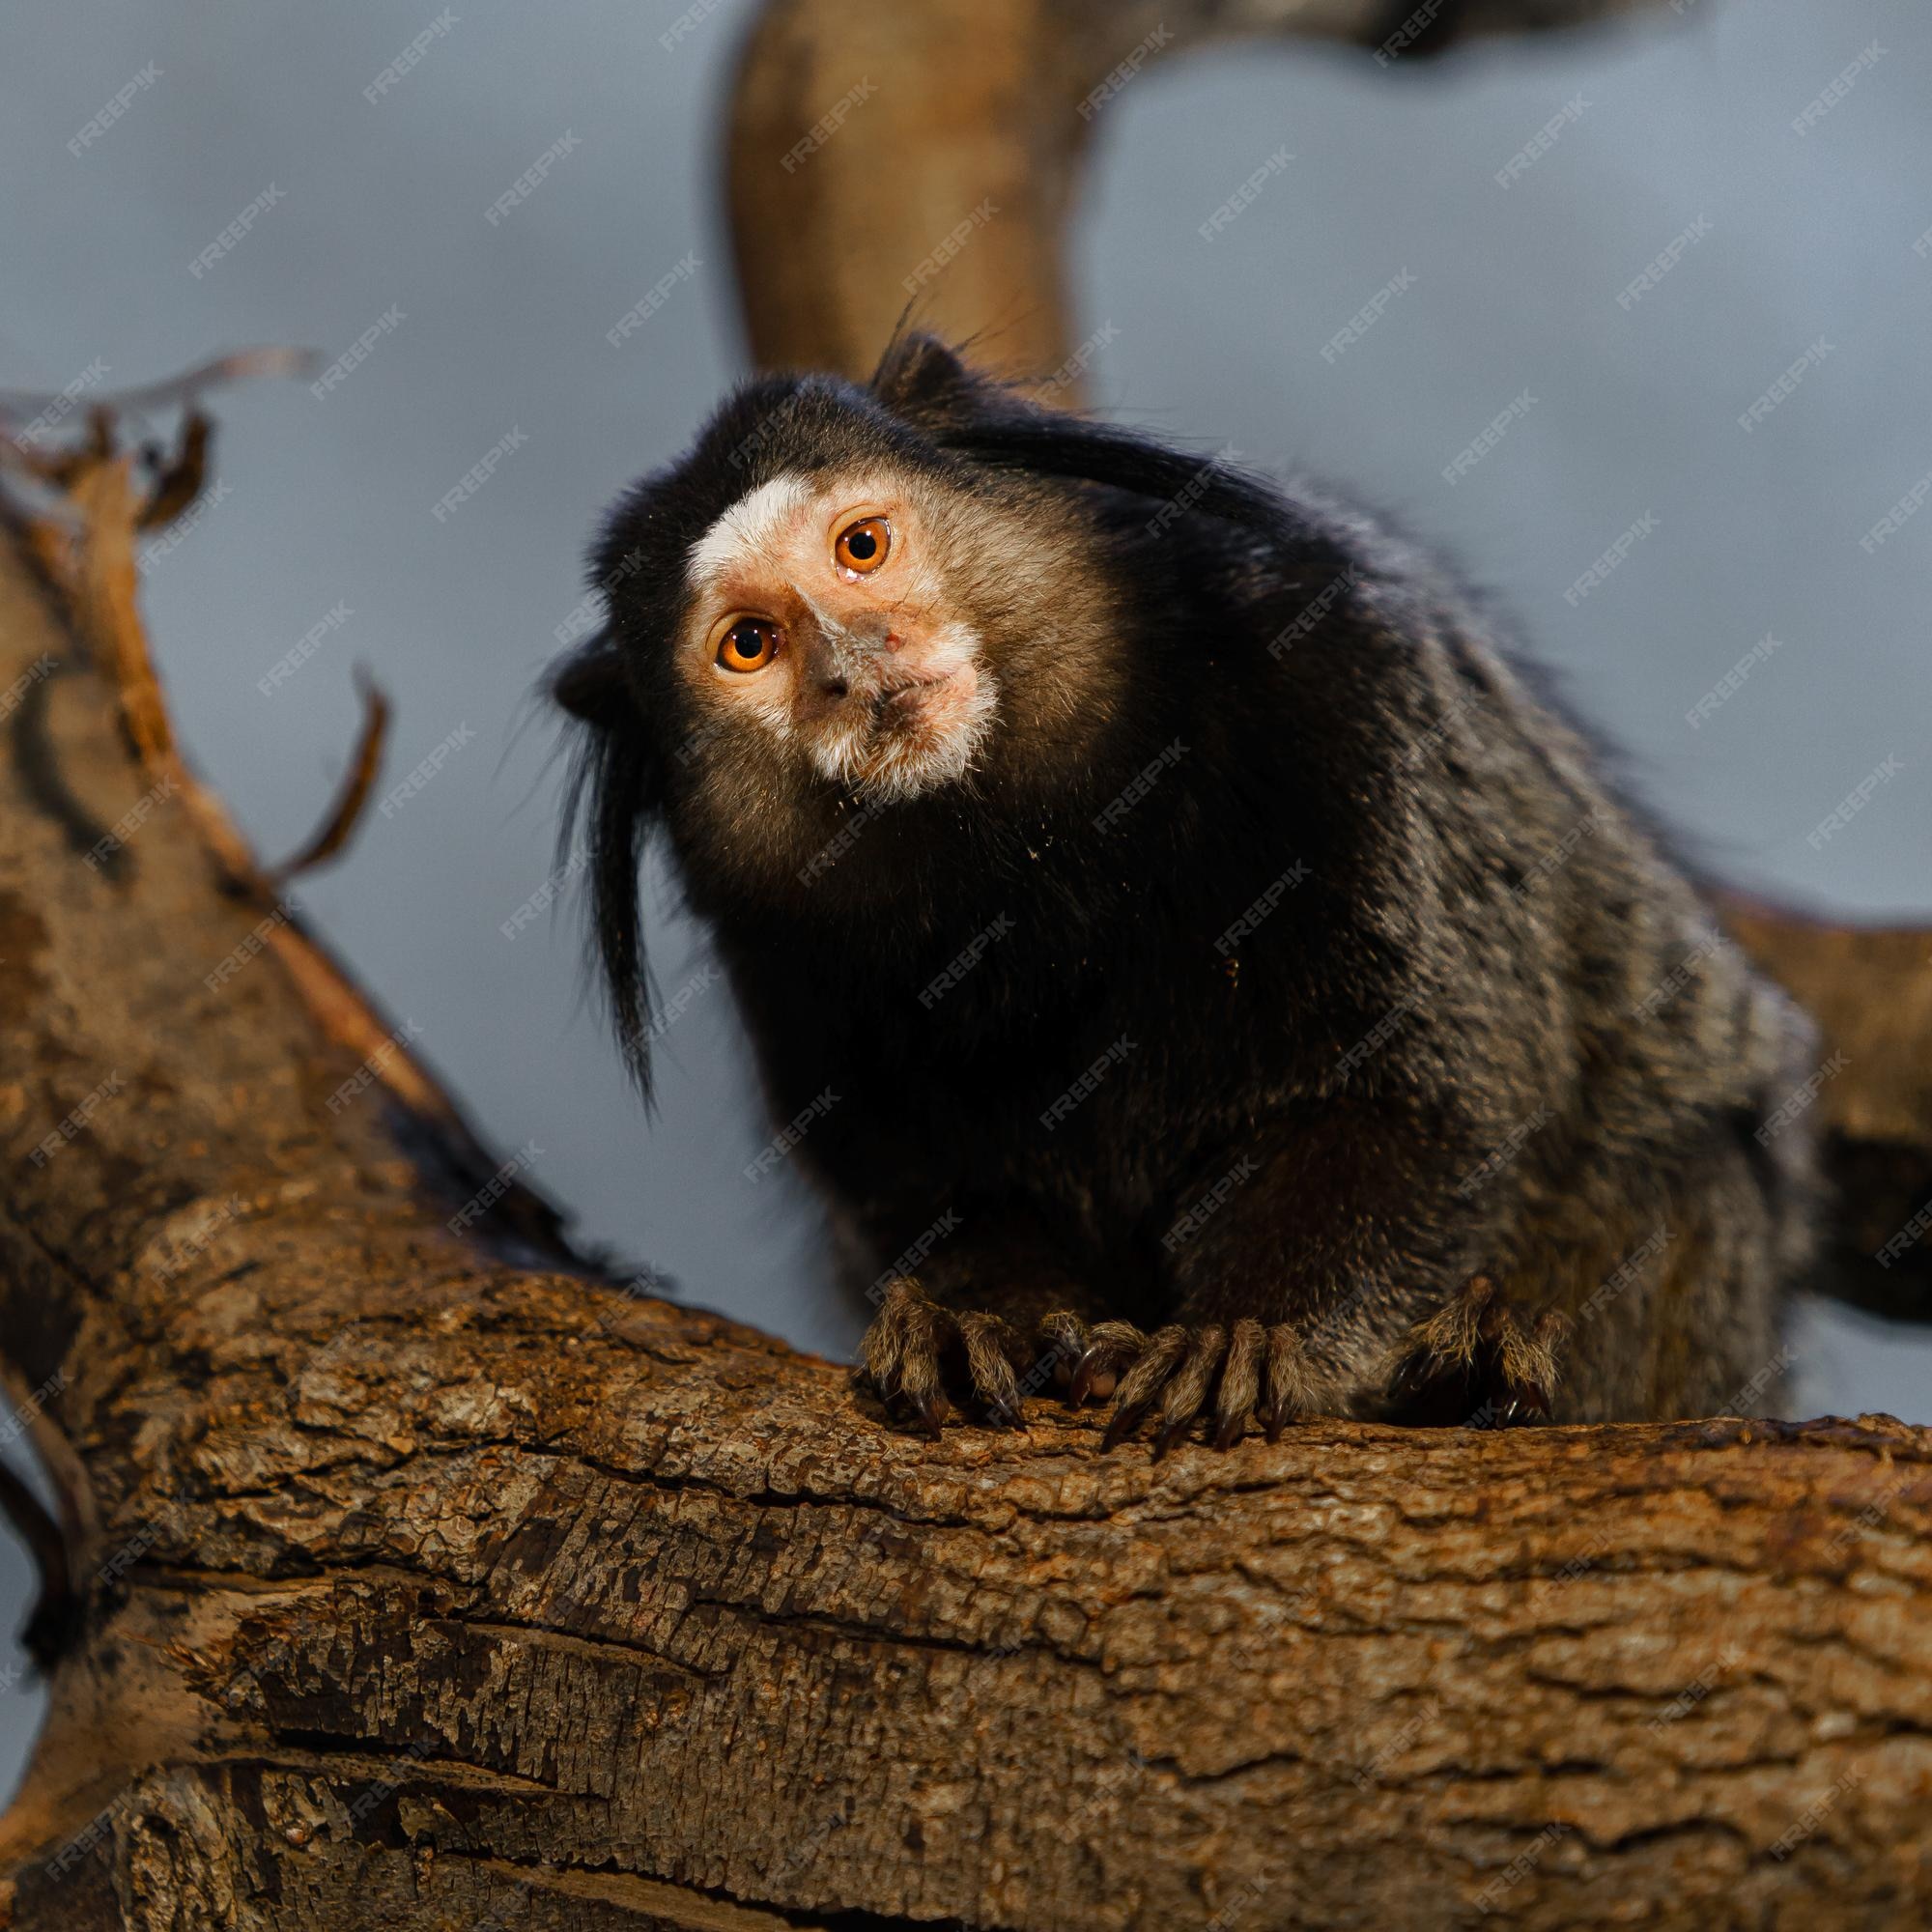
(1198,967)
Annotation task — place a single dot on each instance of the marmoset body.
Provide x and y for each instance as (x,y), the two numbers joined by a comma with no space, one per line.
(1194,958)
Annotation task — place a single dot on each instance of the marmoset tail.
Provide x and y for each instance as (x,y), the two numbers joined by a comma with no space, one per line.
(1197,967)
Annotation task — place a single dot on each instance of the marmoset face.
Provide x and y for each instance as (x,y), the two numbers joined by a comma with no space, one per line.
(825,613)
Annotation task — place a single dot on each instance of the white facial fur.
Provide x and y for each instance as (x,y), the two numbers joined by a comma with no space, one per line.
(751,529)
(879,682)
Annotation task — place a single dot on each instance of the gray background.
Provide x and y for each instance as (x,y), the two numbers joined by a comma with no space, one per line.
(330,501)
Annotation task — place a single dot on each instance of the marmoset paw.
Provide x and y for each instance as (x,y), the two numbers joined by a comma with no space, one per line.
(1506,1362)
(924,1360)
(1253,1373)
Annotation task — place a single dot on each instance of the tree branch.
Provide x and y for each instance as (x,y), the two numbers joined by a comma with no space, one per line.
(424,1579)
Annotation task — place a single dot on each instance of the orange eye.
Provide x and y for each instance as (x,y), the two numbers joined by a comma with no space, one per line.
(864,546)
(749,644)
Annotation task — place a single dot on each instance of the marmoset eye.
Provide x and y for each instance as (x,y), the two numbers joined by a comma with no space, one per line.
(864,546)
(749,644)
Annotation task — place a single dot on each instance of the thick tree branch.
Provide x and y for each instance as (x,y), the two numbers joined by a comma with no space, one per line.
(422,1579)
(929,157)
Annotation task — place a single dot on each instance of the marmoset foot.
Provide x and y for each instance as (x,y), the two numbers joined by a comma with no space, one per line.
(1252,1373)
(925,1361)
(1507,1363)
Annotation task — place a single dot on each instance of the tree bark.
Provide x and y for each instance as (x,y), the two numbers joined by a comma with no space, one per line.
(923,161)
(418,1577)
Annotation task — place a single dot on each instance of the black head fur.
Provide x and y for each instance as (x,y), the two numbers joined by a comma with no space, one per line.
(925,409)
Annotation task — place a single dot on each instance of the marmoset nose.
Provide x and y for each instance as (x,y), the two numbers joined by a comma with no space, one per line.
(849,654)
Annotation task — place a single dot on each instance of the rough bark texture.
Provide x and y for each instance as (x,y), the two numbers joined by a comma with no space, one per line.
(419,1578)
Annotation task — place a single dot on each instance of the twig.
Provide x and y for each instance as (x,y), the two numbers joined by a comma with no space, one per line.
(334,831)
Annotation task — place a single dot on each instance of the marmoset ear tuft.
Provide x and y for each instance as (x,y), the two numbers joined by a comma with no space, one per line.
(990,422)
(614,798)
(923,381)
(590,684)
